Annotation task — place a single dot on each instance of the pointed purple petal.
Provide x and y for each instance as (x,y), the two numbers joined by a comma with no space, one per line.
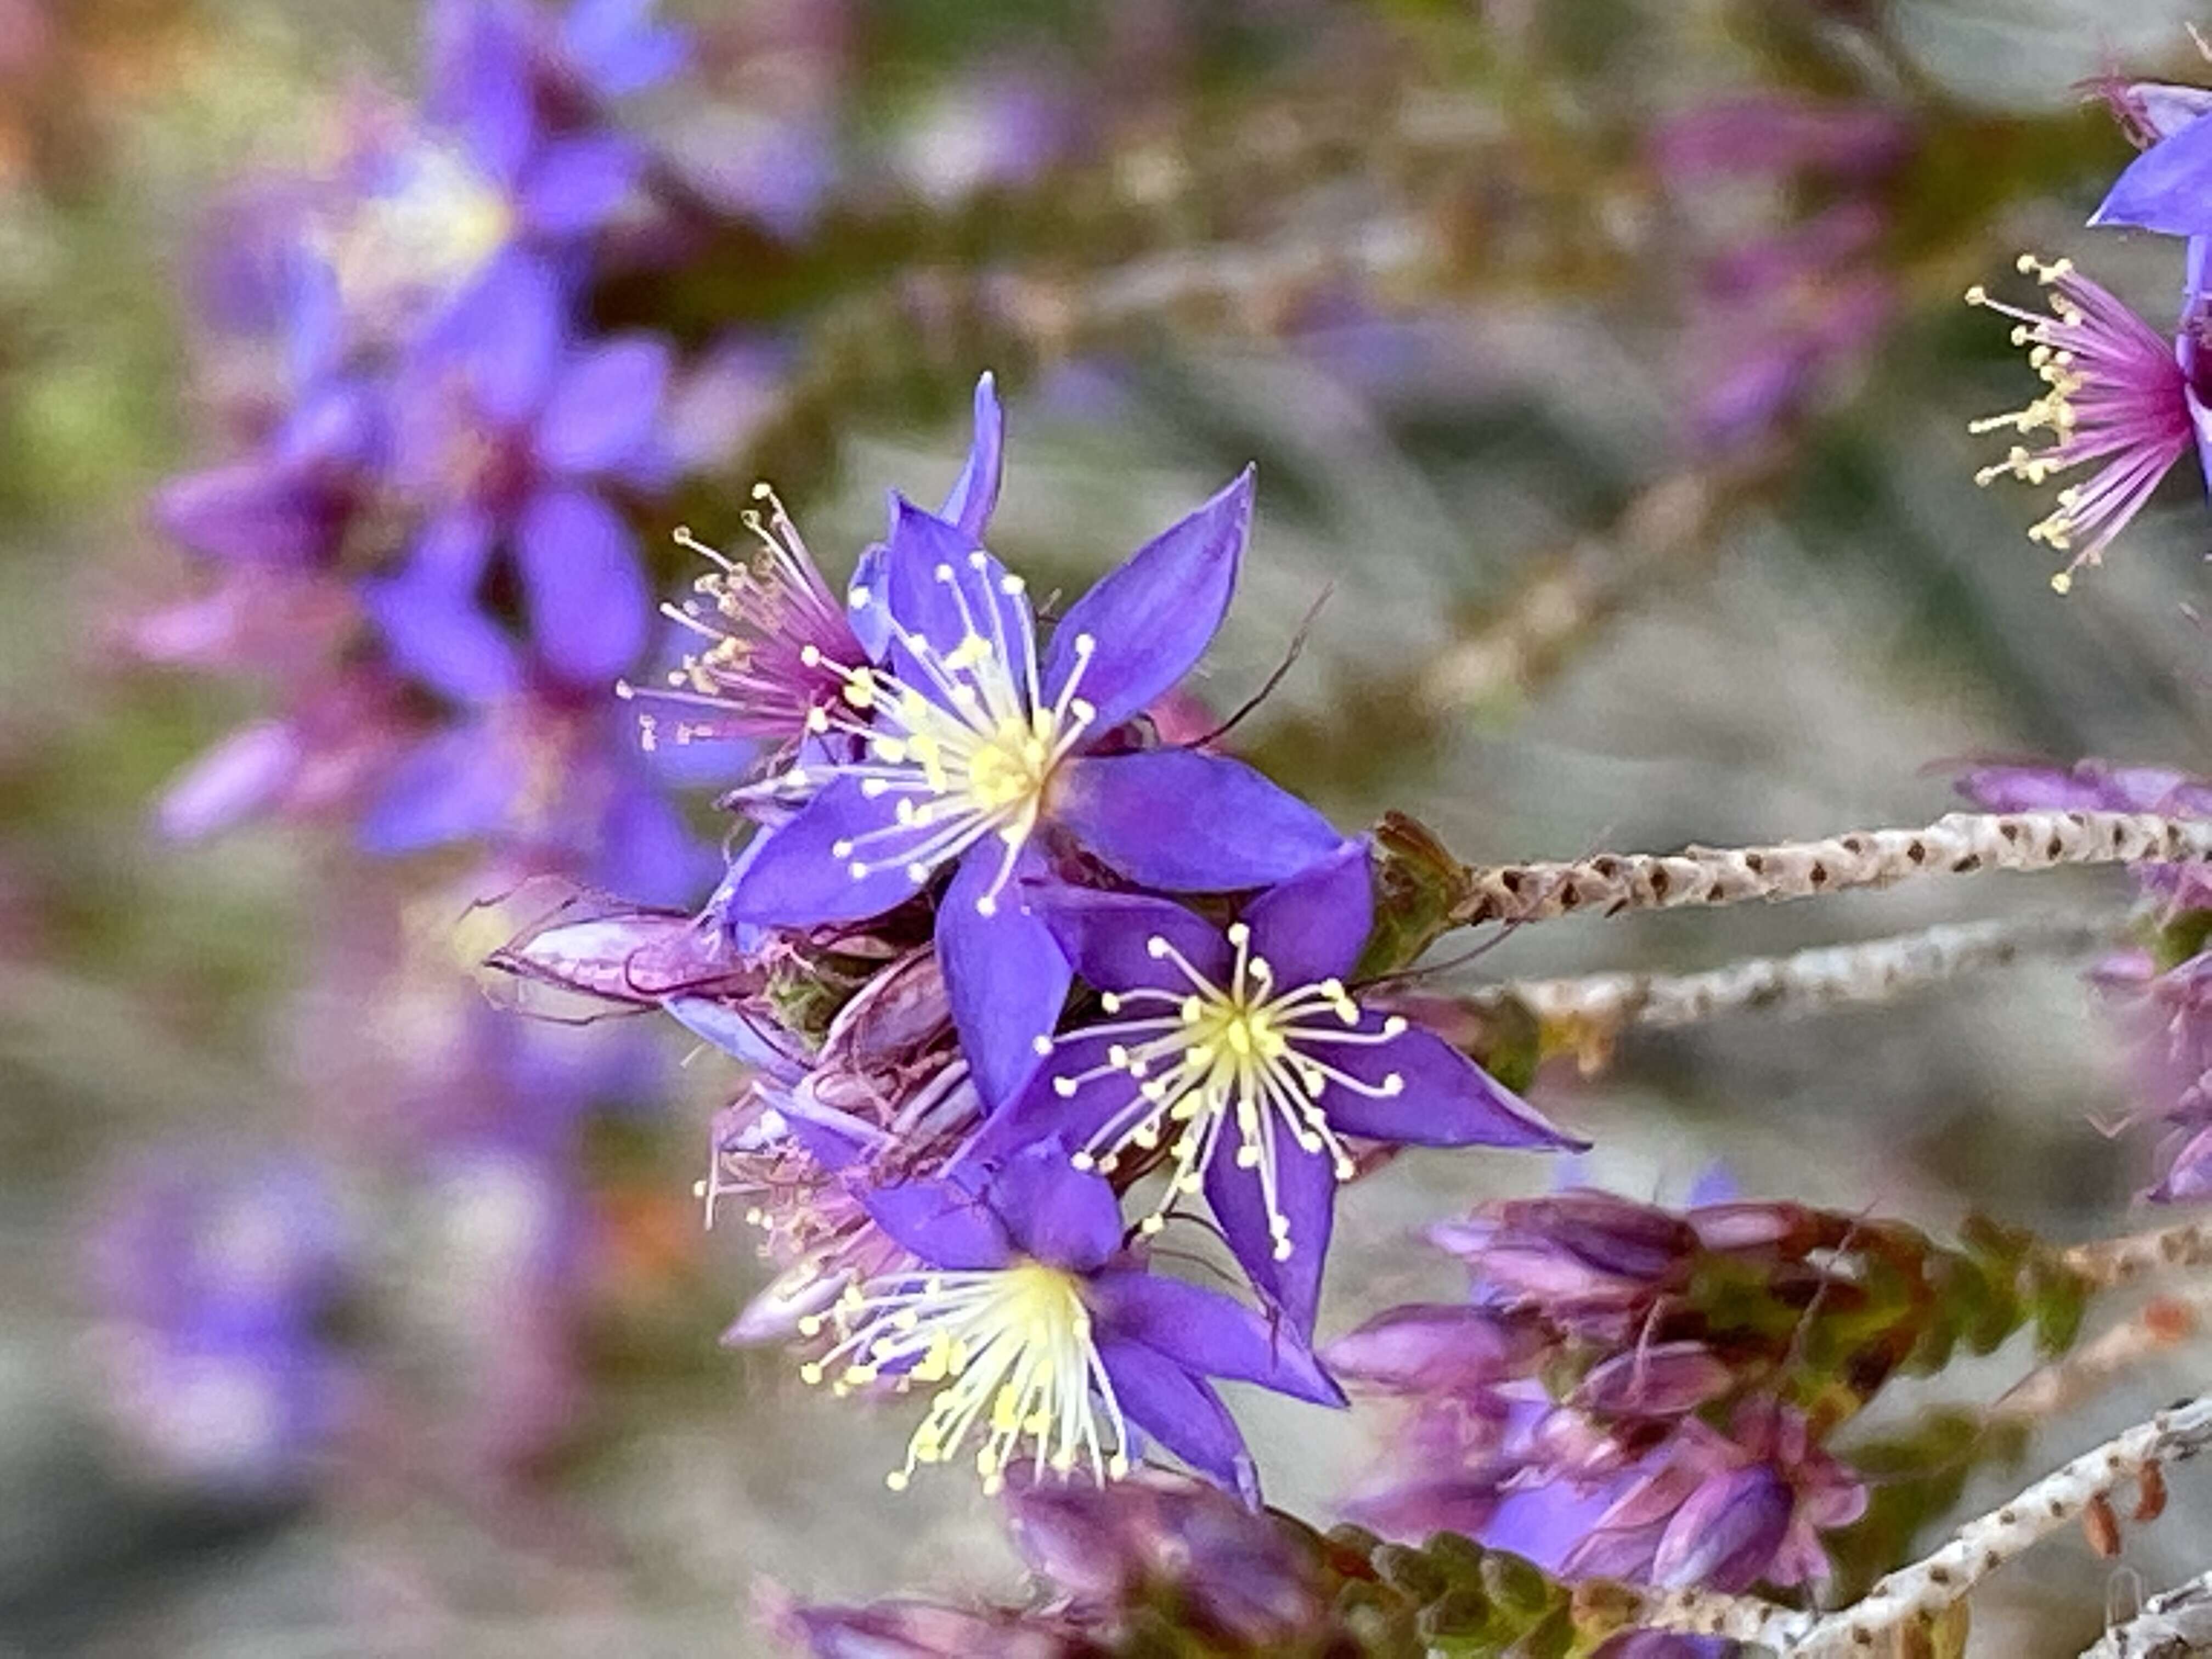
(1305,1191)
(603,407)
(943,1222)
(975,493)
(1108,937)
(574,185)
(257,512)
(587,597)
(439,637)
(481,84)
(1188,823)
(799,879)
(743,1036)
(2168,188)
(1175,1408)
(1149,619)
(505,335)
(867,603)
(1204,1331)
(1004,972)
(647,853)
(1055,1211)
(1313,926)
(1443,1099)
(244,774)
(1042,1113)
(942,587)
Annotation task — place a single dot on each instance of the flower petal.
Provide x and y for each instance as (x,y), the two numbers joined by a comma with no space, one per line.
(945,1223)
(1202,1330)
(505,335)
(618,48)
(1443,1099)
(587,597)
(1314,925)
(1004,973)
(800,879)
(2168,188)
(1305,1192)
(1149,619)
(1107,937)
(946,589)
(1188,823)
(1055,1211)
(480,83)
(975,493)
(602,409)
(245,773)
(440,637)
(743,1036)
(1181,1412)
(257,512)
(574,185)
(1043,1113)
(646,852)
(867,601)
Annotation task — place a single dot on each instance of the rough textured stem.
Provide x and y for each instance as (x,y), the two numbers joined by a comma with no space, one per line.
(2170,1626)
(1955,844)
(1830,975)
(2116,1260)
(1975,1551)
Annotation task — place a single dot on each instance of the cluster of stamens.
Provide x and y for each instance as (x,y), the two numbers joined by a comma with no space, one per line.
(1241,1055)
(967,746)
(2116,396)
(760,618)
(1012,1349)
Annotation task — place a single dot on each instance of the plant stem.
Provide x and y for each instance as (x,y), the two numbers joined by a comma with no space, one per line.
(1957,844)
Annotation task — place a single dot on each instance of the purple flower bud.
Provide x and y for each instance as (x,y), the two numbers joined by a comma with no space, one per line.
(635,956)
(1726,1533)
(1430,1347)
(1667,1380)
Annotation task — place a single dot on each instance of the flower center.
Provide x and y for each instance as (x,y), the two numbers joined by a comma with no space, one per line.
(1242,1054)
(962,739)
(1012,1348)
(431,223)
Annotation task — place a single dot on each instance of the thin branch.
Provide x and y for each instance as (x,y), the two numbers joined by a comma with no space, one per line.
(2116,1260)
(1830,975)
(2161,1325)
(2171,1626)
(1955,844)
(1974,1551)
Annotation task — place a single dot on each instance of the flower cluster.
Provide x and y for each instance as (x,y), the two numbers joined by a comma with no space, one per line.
(998,954)
(1639,1393)
(424,541)
(2165,984)
(2122,398)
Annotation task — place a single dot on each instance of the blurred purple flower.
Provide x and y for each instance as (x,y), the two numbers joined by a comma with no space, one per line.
(217,1281)
(509,428)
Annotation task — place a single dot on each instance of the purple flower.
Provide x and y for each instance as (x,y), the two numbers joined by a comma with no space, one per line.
(510,429)
(1244,1056)
(1035,1330)
(2123,399)
(217,1279)
(782,646)
(509,89)
(974,751)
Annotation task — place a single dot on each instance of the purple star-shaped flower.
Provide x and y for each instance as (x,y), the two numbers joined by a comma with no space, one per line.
(509,428)
(2164,188)
(1043,1339)
(973,749)
(1242,1056)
